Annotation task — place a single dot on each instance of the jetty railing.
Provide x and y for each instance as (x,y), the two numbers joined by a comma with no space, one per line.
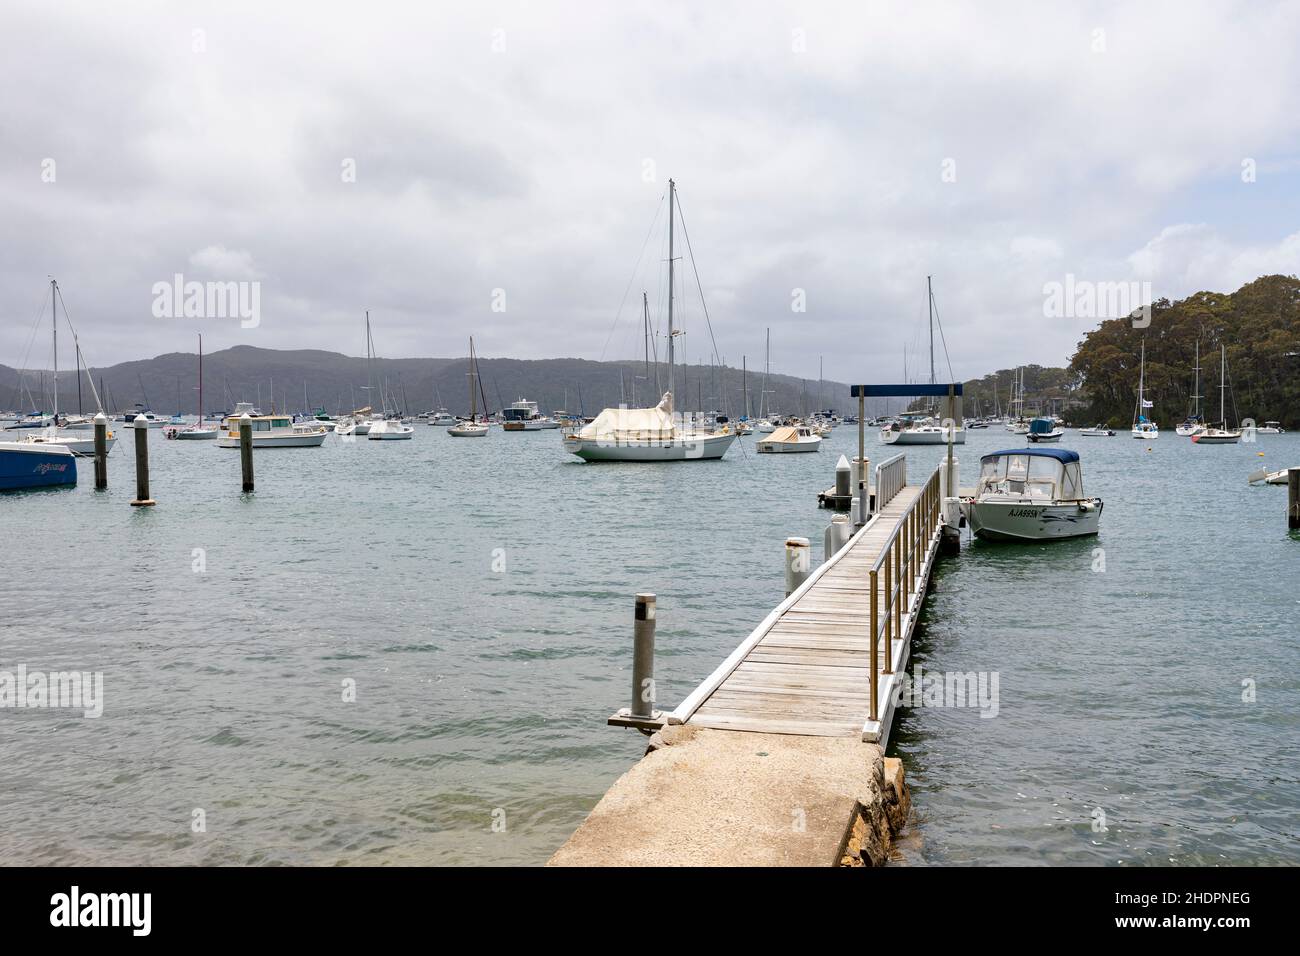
(891,477)
(901,560)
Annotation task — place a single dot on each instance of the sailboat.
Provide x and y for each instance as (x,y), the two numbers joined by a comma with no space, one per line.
(197,431)
(924,430)
(359,422)
(765,425)
(1220,434)
(472,428)
(1142,426)
(650,434)
(1193,424)
(78,444)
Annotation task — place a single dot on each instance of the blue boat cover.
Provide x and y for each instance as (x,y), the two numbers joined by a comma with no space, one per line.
(1060,454)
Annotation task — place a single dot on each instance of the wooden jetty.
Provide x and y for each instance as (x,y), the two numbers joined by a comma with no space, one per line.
(777,757)
(824,662)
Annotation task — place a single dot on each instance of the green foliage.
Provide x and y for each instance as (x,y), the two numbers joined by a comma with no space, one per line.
(1259,324)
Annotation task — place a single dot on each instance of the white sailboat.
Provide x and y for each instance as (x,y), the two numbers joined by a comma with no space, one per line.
(926,430)
(650,434)
(472,428)
(76,442)
(198,431)
(1219,434)
(1193,424)
(1143,427)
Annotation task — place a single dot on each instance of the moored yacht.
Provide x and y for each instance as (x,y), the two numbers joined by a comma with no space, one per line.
(273,431)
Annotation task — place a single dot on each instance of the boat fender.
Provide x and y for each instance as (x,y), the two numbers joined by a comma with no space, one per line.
(1087,506)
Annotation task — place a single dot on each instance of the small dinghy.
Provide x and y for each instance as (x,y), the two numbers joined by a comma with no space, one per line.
(1031,494)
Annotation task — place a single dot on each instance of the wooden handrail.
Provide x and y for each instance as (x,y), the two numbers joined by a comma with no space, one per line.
(902,556)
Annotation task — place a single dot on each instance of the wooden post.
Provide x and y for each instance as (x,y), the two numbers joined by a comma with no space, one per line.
(101,452)
(1293,498)
(246,450)
(142,499)
(875,679)
(643,657)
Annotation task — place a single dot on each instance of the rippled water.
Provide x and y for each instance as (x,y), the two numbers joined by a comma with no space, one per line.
(479,593)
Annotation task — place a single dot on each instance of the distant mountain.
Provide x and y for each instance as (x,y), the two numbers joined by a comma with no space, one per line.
(311,378)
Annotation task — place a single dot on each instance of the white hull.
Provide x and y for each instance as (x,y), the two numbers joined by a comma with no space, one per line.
(79,446)
(306,440)
(197,434)
(688,448)
(1097,433)
(789,447)
(1214,436)
(1149,434)
(1021,521)
(1042,438)
(467,431)
(923,436)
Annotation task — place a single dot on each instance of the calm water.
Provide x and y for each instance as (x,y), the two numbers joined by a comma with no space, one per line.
(479,593)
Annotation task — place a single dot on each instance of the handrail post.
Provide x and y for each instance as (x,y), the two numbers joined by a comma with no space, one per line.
(898,584)
(889,635)
(875,679)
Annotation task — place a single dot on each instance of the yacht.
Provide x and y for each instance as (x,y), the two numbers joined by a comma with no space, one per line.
(1219,434)
(442,418)
(798,438)
(390,430)
(273,431)
(1031,494)
(650,434)
(35,465)
(472,427)
(1143,427)
(914,430)
(522,416)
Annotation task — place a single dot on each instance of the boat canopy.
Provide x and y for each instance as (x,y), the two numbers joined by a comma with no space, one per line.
(1040,426)
(786,434)
(1060,454)
(641,424)
(1051,473)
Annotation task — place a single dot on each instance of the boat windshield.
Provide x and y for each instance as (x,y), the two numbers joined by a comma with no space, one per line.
(1029,475)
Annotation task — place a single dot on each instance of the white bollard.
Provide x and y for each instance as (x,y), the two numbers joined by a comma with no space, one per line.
(837,536)
(798,563)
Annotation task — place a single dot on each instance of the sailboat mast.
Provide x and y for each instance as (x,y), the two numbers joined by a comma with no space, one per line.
(54,324)
(767,368)
(1223,381)
(929,297)
(200,379)
(1196,387)
(672,190)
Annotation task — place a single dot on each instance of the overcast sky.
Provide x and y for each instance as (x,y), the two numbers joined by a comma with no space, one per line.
(847,150)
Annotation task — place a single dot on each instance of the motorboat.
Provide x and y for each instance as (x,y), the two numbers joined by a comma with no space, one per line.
(797,438)
(442,418)
(521,416)
(1043,431)
(1031,494)
(390,430)
(274,431)
(1270,428)
(1097,431)
(35,465)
